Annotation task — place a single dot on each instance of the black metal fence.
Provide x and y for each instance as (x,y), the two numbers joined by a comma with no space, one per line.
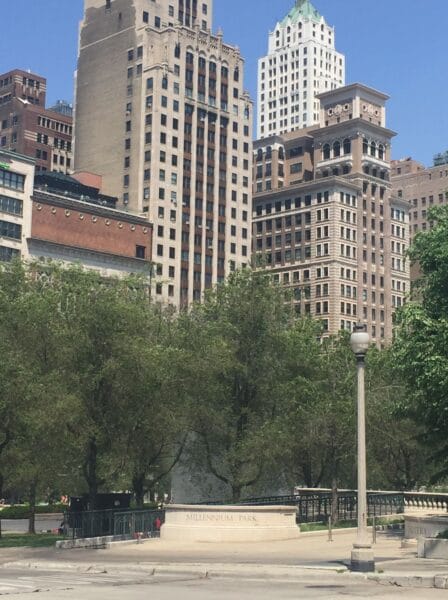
(316,506)
(127,524)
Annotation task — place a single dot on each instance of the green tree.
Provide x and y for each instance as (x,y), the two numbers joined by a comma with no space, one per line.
(236,341)
(33,392)
(420,347)
(105,322)
(398,456)
(155,402)
(319,409)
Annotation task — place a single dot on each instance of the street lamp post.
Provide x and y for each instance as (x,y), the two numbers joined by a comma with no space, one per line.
(362,558)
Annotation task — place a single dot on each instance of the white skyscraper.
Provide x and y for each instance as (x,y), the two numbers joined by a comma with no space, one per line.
(301,63)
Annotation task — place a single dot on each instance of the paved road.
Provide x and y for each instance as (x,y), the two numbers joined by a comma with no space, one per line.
(74,586)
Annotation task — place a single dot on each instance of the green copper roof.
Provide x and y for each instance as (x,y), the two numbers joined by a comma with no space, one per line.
(302,10)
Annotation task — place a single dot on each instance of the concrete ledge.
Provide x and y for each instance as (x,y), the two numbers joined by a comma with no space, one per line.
(192,523)
(94,542)
(426,526)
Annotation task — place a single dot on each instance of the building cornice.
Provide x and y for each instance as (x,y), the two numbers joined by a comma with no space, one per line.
(90,251)
(15,156)
(352,87)
(87,207)
(326,182)
(352,125)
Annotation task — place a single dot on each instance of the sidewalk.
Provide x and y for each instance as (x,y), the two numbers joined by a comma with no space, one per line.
(275,560)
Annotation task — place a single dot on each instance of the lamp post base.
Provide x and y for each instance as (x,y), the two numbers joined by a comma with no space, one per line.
(362,559)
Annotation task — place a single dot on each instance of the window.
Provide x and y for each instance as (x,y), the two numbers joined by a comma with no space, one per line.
(140,251)
(11,205)
(12,180)
(7,254)
(296,168)
(10,230)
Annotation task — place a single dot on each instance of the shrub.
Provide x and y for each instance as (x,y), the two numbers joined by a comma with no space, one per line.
(443,535)
(22,511)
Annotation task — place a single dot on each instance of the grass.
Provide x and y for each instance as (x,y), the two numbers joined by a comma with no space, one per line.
(25,540)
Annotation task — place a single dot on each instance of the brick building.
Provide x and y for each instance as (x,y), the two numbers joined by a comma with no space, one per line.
(55,216)
(72,222)
(28,128)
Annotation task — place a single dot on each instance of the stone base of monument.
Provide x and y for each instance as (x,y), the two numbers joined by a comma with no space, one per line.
(432,548)
(186,523)
(425,526)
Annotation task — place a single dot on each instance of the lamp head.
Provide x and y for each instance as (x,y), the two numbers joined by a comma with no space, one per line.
(360,340)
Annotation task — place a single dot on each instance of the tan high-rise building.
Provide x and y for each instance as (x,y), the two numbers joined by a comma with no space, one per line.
(326,222)
(162,116)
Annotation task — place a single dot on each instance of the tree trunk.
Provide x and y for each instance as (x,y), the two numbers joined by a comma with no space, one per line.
(91,473)
(1,496)
(139,488)
(32,519)
(334,501)
(236,493)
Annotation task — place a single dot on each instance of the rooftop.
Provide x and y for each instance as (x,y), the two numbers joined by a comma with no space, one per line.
(64,185)
(303,9)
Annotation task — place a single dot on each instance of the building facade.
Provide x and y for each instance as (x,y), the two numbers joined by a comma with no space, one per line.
(28,128)
(162,115)
(301,63)
(55,216)
(421,187)
(16,189)
(75,223)
(326,222)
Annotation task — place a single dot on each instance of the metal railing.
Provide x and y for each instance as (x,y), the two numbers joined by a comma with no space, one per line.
(316,506)
(100,523)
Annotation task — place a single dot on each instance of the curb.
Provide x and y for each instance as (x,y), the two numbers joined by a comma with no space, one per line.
(210,571)
(198,570)
(414,581)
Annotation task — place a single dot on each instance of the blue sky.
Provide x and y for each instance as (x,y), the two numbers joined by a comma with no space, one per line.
(397,46)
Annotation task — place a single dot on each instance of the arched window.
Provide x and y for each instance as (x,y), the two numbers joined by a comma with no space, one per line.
(259,154)
(336,149)
(268,152)
(372,149)
(381,152)
(347,146)
(365,146)
(326,152)
(288,30)
(281,153)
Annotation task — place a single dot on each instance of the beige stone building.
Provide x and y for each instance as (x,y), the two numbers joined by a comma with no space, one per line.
(326,222)
(162,116)
(16,189)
